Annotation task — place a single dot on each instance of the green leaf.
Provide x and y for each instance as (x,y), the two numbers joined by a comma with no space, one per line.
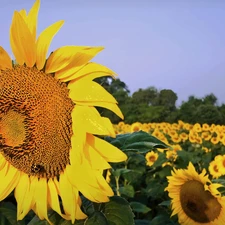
(139,207)
(127,190)
(165,203)
(118,172)
(144,140)
(97,218)
(8,210)
(142,222)
(118,211)
(162,219)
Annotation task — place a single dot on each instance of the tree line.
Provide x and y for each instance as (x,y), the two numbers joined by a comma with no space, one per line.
(153,105)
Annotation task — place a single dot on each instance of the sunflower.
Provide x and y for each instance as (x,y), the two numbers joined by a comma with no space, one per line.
(214,170)
(151,157)
(135,127)
(194,198)
(48,123)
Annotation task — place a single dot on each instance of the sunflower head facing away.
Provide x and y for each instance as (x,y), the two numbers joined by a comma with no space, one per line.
(194,198)
(48,122)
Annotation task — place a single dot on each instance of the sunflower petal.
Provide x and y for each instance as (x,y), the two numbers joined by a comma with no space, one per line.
(44,41)
(108,105)
(9,176)
(28,202)
(90,119)
(95,160)
(21,191)
(107,151)
(41,199)
(68,57)
(83,90)
(68,196)
(32,18)
(22,42)
(91,70)
(78,140)
(5,60)
(2,162)
(23,13)
(86,183)
(53,199)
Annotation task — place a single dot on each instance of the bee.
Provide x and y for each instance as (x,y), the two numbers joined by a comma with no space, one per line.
(35,168)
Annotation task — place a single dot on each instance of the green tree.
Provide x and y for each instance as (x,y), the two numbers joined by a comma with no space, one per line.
(167,98)
(208,114)
(146,96)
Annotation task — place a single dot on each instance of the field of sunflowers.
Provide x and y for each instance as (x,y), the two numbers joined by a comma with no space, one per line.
(174,172)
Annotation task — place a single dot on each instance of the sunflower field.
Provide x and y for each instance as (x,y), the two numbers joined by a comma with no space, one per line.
(174,172)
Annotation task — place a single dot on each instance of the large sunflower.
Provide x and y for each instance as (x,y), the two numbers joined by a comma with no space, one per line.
(194,198)
(48,123)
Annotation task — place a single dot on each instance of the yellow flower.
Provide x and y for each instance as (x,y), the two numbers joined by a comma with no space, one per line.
(151,157)
(220,161)
(214,169)
(48,123)
(184,136)
(206,135)
(205,127)
(136,127)
(171,155)
(176,139)
(195,199)
(215,140)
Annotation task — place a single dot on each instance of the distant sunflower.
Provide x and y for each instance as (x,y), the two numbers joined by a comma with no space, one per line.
(214,169)
(151,157)
(136,127)
(48,121)
(194,198)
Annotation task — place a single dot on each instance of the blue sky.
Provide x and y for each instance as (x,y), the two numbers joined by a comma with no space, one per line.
(176,44)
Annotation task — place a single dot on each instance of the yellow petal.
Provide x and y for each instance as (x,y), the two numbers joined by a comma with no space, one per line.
(23,13)
(107,151)
(53,199)
(86,183)
(5,60)
(78,141)
(109,126)
(83,90)
(90,68)
(22,42)
(32,18)
(95,160)
(68,57)
(41,199)
(21,192)
(2,162)
(28,202)
(89,119)
(9,177)
(79,214)
(68,196)
(108,105)
(44,41)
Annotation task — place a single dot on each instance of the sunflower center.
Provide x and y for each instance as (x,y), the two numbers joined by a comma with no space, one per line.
(198,204)
(152,158)
(35,121)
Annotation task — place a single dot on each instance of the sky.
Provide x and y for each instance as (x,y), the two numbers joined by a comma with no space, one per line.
(169,44)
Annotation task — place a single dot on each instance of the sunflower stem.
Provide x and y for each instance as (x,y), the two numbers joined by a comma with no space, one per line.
(117,185)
